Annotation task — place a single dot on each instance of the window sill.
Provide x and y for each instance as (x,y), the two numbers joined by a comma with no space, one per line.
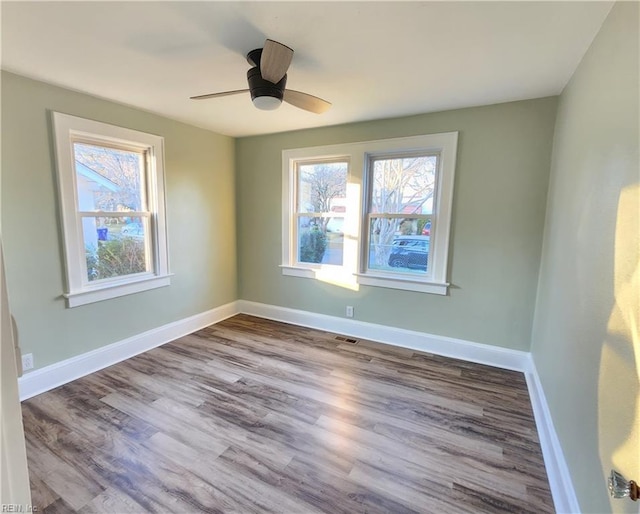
(294,271)
(406,284)
(114,290)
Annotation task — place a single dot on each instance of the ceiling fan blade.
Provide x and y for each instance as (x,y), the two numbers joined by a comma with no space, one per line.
(216,95)
(275,60)
(305,101)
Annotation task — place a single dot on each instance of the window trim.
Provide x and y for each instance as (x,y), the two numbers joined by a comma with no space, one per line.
(358,154)
(68,130)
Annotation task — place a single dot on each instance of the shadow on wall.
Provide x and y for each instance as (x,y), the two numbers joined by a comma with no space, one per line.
(619,379)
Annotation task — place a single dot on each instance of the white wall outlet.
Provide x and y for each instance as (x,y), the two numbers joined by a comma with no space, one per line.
(349,311)
(27,361)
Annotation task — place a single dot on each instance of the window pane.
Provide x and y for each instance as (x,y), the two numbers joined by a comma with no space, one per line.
(320,240)
(322,187)
(404,185)
(115,247)
(335,241)
(399,244)
(109,179)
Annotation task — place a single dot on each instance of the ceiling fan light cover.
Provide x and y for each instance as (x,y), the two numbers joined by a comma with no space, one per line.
(266,103)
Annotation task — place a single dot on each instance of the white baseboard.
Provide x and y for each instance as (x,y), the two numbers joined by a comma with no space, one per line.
(49,377)
(440,345)
(564,497)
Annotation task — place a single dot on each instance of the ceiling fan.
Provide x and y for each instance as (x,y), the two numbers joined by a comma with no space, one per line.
(267,80)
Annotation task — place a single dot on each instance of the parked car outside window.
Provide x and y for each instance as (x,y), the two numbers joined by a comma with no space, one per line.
(410,252)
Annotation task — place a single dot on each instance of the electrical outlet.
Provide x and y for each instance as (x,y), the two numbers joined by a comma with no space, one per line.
(27,361)
(349,311)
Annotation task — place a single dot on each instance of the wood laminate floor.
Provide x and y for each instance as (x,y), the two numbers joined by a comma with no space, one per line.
(252,415)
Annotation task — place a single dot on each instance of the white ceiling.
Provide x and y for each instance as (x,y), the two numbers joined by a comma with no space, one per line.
(370,59)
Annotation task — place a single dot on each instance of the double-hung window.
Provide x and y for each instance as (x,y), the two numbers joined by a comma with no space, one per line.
(111,184)
(388,201)
(320,206)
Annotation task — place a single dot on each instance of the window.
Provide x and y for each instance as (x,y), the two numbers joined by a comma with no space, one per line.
(111,184)
(400,212)
(391,198)
(320,208)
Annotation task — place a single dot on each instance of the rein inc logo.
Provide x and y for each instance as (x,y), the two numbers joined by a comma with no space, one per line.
(18,507)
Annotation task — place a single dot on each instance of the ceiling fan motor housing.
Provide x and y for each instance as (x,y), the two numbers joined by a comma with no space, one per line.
(261,87)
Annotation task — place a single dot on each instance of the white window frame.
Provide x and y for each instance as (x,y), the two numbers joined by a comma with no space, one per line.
(79,290)
(358,155)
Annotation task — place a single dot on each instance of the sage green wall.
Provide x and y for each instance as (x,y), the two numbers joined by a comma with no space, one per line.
(586,339)
(200,201)
(498,216)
